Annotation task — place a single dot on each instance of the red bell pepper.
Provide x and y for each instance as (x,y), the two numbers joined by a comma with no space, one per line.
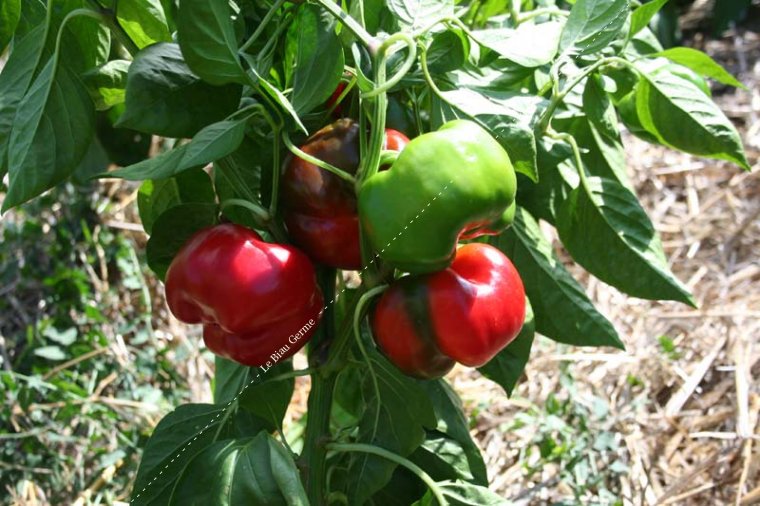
(258,302)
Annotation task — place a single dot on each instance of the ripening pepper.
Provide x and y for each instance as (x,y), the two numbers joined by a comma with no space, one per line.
(451,184)
(319,208)
(466,313)
(257,301)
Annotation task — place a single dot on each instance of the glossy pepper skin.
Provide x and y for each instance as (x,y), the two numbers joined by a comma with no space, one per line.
(319,208)
(257,301)
(466,313)
(457,182)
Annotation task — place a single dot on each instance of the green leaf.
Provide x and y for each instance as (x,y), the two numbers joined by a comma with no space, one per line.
(395,419)
(443,458)
(182,433)
(210,144)
(606,231)
(593,25)
(452,422)
(317,57)
(207,37)
(558,177)
(165,98)
(700,63)
(508,365)
(604,154)
(448,51)
(15,79)
(416,14)
(51,133)
(229,379)
(178,438)
(172,229)
(463,494)
(144,21)
(85,43)
(239,176)
(32,17)
(263,398)
(643,15)
(156,196)
(528,45)
(279,97)
(563,311)
(508,117)
(51,352)
(107,84)
(10,14)
(255,470)
(269,400)
(681,116)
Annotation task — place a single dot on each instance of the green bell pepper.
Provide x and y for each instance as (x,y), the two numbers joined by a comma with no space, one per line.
(455,183)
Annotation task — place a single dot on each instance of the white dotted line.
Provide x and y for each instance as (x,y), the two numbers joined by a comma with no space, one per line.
(224,410)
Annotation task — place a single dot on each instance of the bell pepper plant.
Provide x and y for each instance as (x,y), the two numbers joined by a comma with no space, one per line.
(276,166)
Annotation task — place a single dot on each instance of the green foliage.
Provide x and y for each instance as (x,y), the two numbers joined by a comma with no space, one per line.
(577,435)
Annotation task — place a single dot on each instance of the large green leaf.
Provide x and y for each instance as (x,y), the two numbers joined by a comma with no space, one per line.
(207,37)
(179,437)
(606,231)
(508,365)
(528,45)
(462,458)
(599,134)
(51,133)
(210,144)
(252,471)
(396,416)
(144,21)
(165,98)
(15,79)
(563,311)
(315,57)
(700,63)
(681,116)
(593,25)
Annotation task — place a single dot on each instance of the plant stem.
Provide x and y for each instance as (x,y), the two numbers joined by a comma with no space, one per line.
(382,452)
(557,98)
(350,23)
(313,160)
(258,212)
(263,24)
(275,175)
(314,457)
